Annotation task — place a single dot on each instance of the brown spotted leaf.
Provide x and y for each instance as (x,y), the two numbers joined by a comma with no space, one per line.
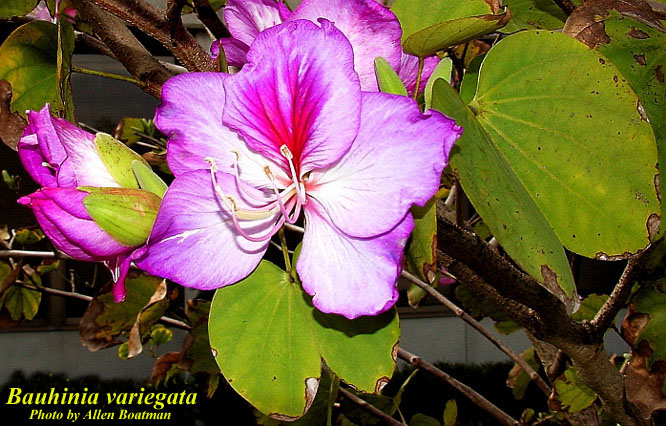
(139,328)
(105,320)
(11,124)
(163,365)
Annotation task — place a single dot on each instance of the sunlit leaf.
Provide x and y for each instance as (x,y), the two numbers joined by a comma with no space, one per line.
(571,394)
(388,80)
(530,14)
(148,179)
(441,71)
(118,159)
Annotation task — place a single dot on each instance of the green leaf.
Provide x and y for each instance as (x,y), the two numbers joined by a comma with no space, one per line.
(160,335)
(518,379)
(470,79)
(531,14)
(26,236)
(12,8)
(572,394)
(589,307)
(263,319)
(123,351)
(388,80)
(118,159)
(127,215)
(269,319)
(422,250)
(65,100)
(419,419)
(21,302)
(441,71)
(500,198)
(451,33)
(196,353)
(148,179)
(105,320)
(417,15)
(450,412)
(637,50)
(566,139)
(28,60)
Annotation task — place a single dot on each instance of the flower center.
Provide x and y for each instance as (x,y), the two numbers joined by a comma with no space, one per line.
(285,202)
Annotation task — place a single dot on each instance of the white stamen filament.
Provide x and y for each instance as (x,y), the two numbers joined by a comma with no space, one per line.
(281,204)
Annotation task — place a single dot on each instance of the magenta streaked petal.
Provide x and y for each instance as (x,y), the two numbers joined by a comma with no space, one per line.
(33,160)
(191,116)
(194,241)
(82,157)
(298,89)
(409,68)
(119,267)
(40,149)
(78,237)
(247,18)
(372,30)
(346,275)
(235,51)
(396,161)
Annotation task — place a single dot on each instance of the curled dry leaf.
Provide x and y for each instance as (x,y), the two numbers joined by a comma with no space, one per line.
(11,124)
(586,23)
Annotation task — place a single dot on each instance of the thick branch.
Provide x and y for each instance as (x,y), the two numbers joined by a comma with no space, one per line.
(118,38)
(534,376)
(209,18)
(470,393)
(153,22)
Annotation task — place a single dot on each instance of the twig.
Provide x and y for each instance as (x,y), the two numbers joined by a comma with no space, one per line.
(209,18)
(103,74)
(125,47)
(618,297)
(153,22)
(558,366)
(174,15)
(534,376)
(29,253)
(365,405)
(419,75)
(470,393)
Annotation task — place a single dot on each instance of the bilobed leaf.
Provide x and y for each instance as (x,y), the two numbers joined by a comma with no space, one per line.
(388,80)
(417,15)
(127,215)
(571,394)
(531,14)
(502,201)
(421,254)
(21,302)
(65,101)
(148,179)
(263,319)
(105,320)
(638,52)
(118,159)
(567,140)
(12,8)
(28,60)
(451,33)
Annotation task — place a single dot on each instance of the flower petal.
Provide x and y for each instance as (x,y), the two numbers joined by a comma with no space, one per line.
(396,161)
(119,267)
(83,163)
(372,30)
(40,149)
(235,51)
(58,211)
(247,18)
(346,275)
(194,241)
(409,68)
(298,89)
(191,116)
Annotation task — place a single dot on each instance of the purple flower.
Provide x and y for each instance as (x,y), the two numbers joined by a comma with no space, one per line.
(61,157)
(372,30)
(292,132)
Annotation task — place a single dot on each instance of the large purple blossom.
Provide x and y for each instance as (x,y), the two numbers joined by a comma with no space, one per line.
(61,157)
(372,29)
(292,132)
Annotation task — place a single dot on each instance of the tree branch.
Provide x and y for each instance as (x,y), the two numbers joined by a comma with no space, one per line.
(209,18)
(470,393)
(153,22)
(365,405)
(122,43)
(534,376)
(567,6)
